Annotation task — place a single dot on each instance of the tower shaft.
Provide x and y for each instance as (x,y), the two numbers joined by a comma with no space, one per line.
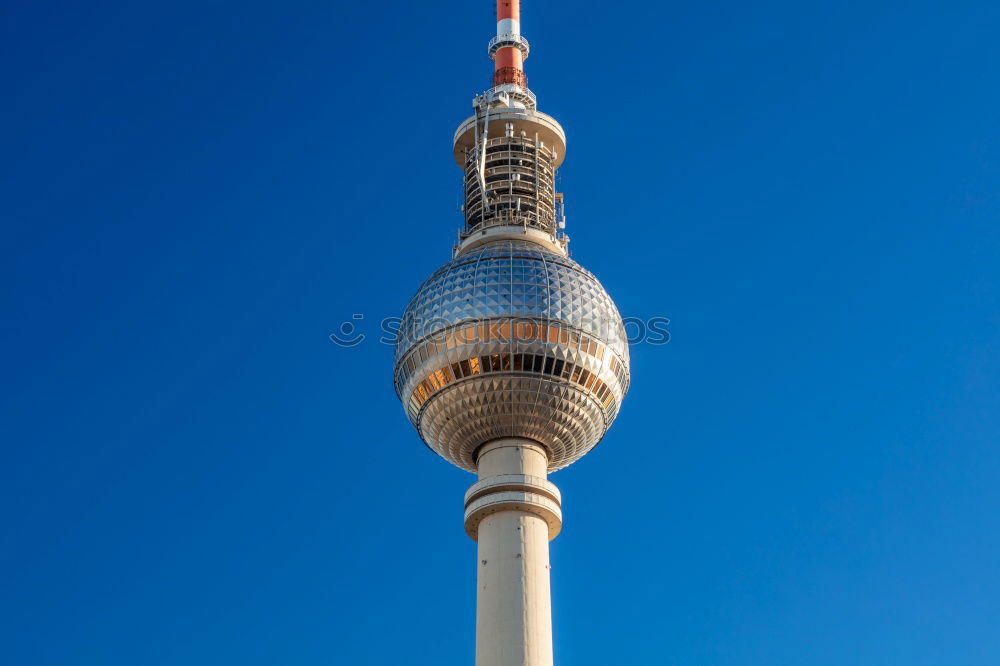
(513,512)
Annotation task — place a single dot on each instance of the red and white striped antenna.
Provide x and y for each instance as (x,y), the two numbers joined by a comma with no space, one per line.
(509,49)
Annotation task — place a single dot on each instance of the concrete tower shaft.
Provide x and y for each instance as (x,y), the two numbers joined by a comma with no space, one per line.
(513,512)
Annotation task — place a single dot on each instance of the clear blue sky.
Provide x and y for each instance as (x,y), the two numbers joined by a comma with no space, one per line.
(195,195)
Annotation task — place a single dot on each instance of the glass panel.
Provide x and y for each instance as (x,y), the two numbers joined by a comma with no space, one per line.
(474,366)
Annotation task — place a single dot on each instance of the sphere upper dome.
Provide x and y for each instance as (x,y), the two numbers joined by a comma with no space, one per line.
(511,339)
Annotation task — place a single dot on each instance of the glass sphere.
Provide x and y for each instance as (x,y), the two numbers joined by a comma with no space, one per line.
(511,339)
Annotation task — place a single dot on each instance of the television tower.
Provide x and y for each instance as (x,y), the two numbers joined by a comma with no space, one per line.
(511,359)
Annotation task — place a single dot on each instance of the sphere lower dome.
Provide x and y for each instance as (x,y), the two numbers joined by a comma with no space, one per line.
(511,340)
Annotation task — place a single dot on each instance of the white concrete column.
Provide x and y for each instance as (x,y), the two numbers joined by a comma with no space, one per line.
(513,512)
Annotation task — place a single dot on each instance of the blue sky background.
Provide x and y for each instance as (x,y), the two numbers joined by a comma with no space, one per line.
(195,195)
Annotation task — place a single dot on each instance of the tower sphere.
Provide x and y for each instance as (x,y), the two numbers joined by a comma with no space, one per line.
(511,338)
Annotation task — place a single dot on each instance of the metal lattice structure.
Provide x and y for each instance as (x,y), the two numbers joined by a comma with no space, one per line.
(519,174)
